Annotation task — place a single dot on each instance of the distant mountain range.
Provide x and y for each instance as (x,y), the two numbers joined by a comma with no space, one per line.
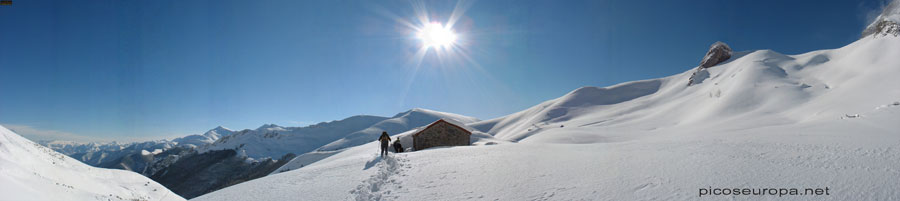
(758,117)
(29,171)
(197,164)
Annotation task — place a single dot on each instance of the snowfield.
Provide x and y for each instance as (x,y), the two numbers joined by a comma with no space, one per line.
(760,121)
(404,123)
(672,167)
(29,171)
(823,119)
(273,141)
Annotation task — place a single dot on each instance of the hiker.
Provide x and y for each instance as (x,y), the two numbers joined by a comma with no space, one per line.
(385,139)
(398,148)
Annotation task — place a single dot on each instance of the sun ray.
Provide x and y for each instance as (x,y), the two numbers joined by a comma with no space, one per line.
(442,47)
(461,7)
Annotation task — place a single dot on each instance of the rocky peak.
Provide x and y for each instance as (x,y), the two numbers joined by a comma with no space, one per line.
(887,23)
(884,28)
(718,52)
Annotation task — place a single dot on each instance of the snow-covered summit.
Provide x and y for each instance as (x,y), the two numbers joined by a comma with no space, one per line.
(206,138)
(887,23)
(751,89)
(270,127)
(29,171)
(218,131)
(759,119)
(70,147)
(400,126)
(417,113)
(273,141)
(718,52)
(399,123)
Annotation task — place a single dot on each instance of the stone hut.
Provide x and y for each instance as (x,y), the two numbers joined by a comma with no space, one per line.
(441,133)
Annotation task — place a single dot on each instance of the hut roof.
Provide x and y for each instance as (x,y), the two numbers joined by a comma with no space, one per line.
(448,121)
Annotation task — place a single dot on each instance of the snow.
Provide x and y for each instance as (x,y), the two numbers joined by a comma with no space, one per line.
(69,147)
(750,90)
(273,141)
(209,137)
(29,171)
(151,153)
(891,13)
(400,126)
(399,123)
(670,168)
(760,120)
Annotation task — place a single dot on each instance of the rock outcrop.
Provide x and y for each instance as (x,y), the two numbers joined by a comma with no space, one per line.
(883,28)
(887,23)
(718,53)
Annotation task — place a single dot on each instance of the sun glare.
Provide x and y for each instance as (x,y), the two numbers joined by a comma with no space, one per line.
(436,35)
(440,42)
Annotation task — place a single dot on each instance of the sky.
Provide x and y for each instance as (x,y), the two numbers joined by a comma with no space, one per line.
(138,70)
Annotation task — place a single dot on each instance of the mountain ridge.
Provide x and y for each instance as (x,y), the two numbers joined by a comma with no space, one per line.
(34,172)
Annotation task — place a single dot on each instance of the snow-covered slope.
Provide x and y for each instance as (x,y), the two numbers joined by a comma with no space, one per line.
(29,171)
(406,141)
(127,156)
(672,167)
(209,137)
(823,119)
(758,88)
(273,141)
(136,156)
(887,23)
(70,147)
(399,123)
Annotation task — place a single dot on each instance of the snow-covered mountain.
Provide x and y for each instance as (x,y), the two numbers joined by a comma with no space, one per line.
(887,23)
(273,141)
(754,119)
(477,138)
(398,123)
(197,164)
(209,137)
(249,154)
(97,153)
(190,174)
(29,171)
(136,156)
(753,89)
(401,124)
(70,147)
(761,119)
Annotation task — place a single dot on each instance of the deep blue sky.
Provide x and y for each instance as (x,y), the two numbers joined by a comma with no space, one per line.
(145,69)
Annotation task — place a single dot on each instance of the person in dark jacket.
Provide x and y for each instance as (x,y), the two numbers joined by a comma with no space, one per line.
(398,148)
(385,140)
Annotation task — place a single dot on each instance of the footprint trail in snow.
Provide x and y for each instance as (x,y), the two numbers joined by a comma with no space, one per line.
(385,181)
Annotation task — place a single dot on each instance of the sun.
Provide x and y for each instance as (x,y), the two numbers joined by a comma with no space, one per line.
(438,41)
(436,35)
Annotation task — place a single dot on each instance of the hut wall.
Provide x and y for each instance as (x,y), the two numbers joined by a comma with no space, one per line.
(442,134)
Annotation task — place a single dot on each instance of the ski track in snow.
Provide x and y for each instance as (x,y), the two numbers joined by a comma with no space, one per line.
(385,180)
